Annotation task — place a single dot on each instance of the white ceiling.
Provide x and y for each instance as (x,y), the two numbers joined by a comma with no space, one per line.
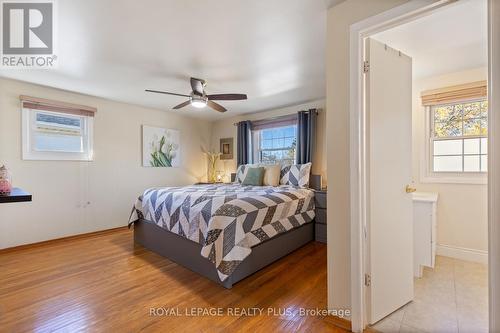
(274,51)
(452,39)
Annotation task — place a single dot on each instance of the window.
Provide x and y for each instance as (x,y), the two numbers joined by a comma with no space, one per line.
(455,146)
(275,145)
(459,137)
(55,133)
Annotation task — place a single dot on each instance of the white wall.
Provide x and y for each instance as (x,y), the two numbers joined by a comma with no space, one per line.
(225,129)
(462,208)
(110,183)
(340,18)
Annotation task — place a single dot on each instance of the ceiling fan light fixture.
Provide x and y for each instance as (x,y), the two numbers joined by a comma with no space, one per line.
(198,104)
(198,101)
(198,98)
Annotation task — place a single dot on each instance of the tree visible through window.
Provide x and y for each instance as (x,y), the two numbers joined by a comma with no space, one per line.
(459,137)
(276,145)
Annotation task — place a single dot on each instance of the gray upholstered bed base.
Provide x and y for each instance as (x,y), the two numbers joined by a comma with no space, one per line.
(187,253)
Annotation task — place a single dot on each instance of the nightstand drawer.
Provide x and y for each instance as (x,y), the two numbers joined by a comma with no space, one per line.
(320,199)
(320,215)
(320,233)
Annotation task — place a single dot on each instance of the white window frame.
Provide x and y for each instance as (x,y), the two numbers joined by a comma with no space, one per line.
(29,153)
(427,175)
(256,143)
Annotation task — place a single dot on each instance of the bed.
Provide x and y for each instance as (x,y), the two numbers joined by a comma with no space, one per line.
(225,232)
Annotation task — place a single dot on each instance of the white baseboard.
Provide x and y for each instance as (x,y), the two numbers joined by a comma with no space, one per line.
(462,253)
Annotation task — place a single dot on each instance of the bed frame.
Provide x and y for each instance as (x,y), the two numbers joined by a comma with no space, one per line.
(187,253)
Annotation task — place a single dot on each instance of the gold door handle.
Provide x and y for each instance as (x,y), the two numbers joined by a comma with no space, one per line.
(410,189)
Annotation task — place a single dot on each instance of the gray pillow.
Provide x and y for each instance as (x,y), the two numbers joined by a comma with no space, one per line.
(297,174)
(254,176)
(241,172)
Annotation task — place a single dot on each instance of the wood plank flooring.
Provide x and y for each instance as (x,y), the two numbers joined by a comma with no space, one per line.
(105,283)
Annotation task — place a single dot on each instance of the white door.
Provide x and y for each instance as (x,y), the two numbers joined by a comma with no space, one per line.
(390,225)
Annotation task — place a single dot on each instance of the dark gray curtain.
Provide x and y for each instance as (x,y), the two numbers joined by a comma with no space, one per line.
(243,142)
(306,135)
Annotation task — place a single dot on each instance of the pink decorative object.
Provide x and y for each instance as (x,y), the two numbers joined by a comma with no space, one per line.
(5,181)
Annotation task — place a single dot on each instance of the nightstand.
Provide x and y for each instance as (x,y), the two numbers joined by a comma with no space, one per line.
(320,211)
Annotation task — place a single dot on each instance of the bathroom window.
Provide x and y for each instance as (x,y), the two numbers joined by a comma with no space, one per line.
(459,137)
(456,134)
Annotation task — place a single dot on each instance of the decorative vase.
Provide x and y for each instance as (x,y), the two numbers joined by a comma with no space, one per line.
(212,166)
(5,181)
(212,175)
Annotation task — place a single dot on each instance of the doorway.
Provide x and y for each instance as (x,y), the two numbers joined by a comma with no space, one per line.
(432,74)
(370,162)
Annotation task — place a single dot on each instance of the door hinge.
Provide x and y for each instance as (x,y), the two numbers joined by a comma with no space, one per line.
(368,280)
(366,66)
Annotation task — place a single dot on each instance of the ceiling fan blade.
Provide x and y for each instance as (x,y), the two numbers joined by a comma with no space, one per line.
(186,103)
(166,93)
(227,97)
(215,106)
(197,85)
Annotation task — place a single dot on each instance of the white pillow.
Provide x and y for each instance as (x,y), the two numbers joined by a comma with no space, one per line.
(271,174)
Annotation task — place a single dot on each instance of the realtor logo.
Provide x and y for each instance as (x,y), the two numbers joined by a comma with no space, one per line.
(28,34)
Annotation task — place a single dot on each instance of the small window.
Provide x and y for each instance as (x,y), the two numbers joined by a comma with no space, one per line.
(52,135)
(54,132)
(275,145)
(459,137)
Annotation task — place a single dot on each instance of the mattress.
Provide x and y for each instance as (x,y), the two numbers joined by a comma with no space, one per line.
(226,219)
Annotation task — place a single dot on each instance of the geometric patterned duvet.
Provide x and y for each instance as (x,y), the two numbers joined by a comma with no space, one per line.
(226,219)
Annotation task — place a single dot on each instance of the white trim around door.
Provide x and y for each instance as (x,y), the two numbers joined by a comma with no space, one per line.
(494,163)
(359,176)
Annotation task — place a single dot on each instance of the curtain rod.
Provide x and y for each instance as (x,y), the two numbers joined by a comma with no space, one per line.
(278,117)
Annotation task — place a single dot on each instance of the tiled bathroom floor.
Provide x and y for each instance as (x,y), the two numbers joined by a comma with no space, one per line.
(452,297)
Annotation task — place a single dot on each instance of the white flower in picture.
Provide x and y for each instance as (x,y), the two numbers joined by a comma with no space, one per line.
(160,147)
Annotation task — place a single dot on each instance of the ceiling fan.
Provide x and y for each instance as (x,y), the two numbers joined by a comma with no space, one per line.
(199,99)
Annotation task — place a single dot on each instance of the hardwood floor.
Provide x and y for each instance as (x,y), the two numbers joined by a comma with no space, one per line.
(106,283)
